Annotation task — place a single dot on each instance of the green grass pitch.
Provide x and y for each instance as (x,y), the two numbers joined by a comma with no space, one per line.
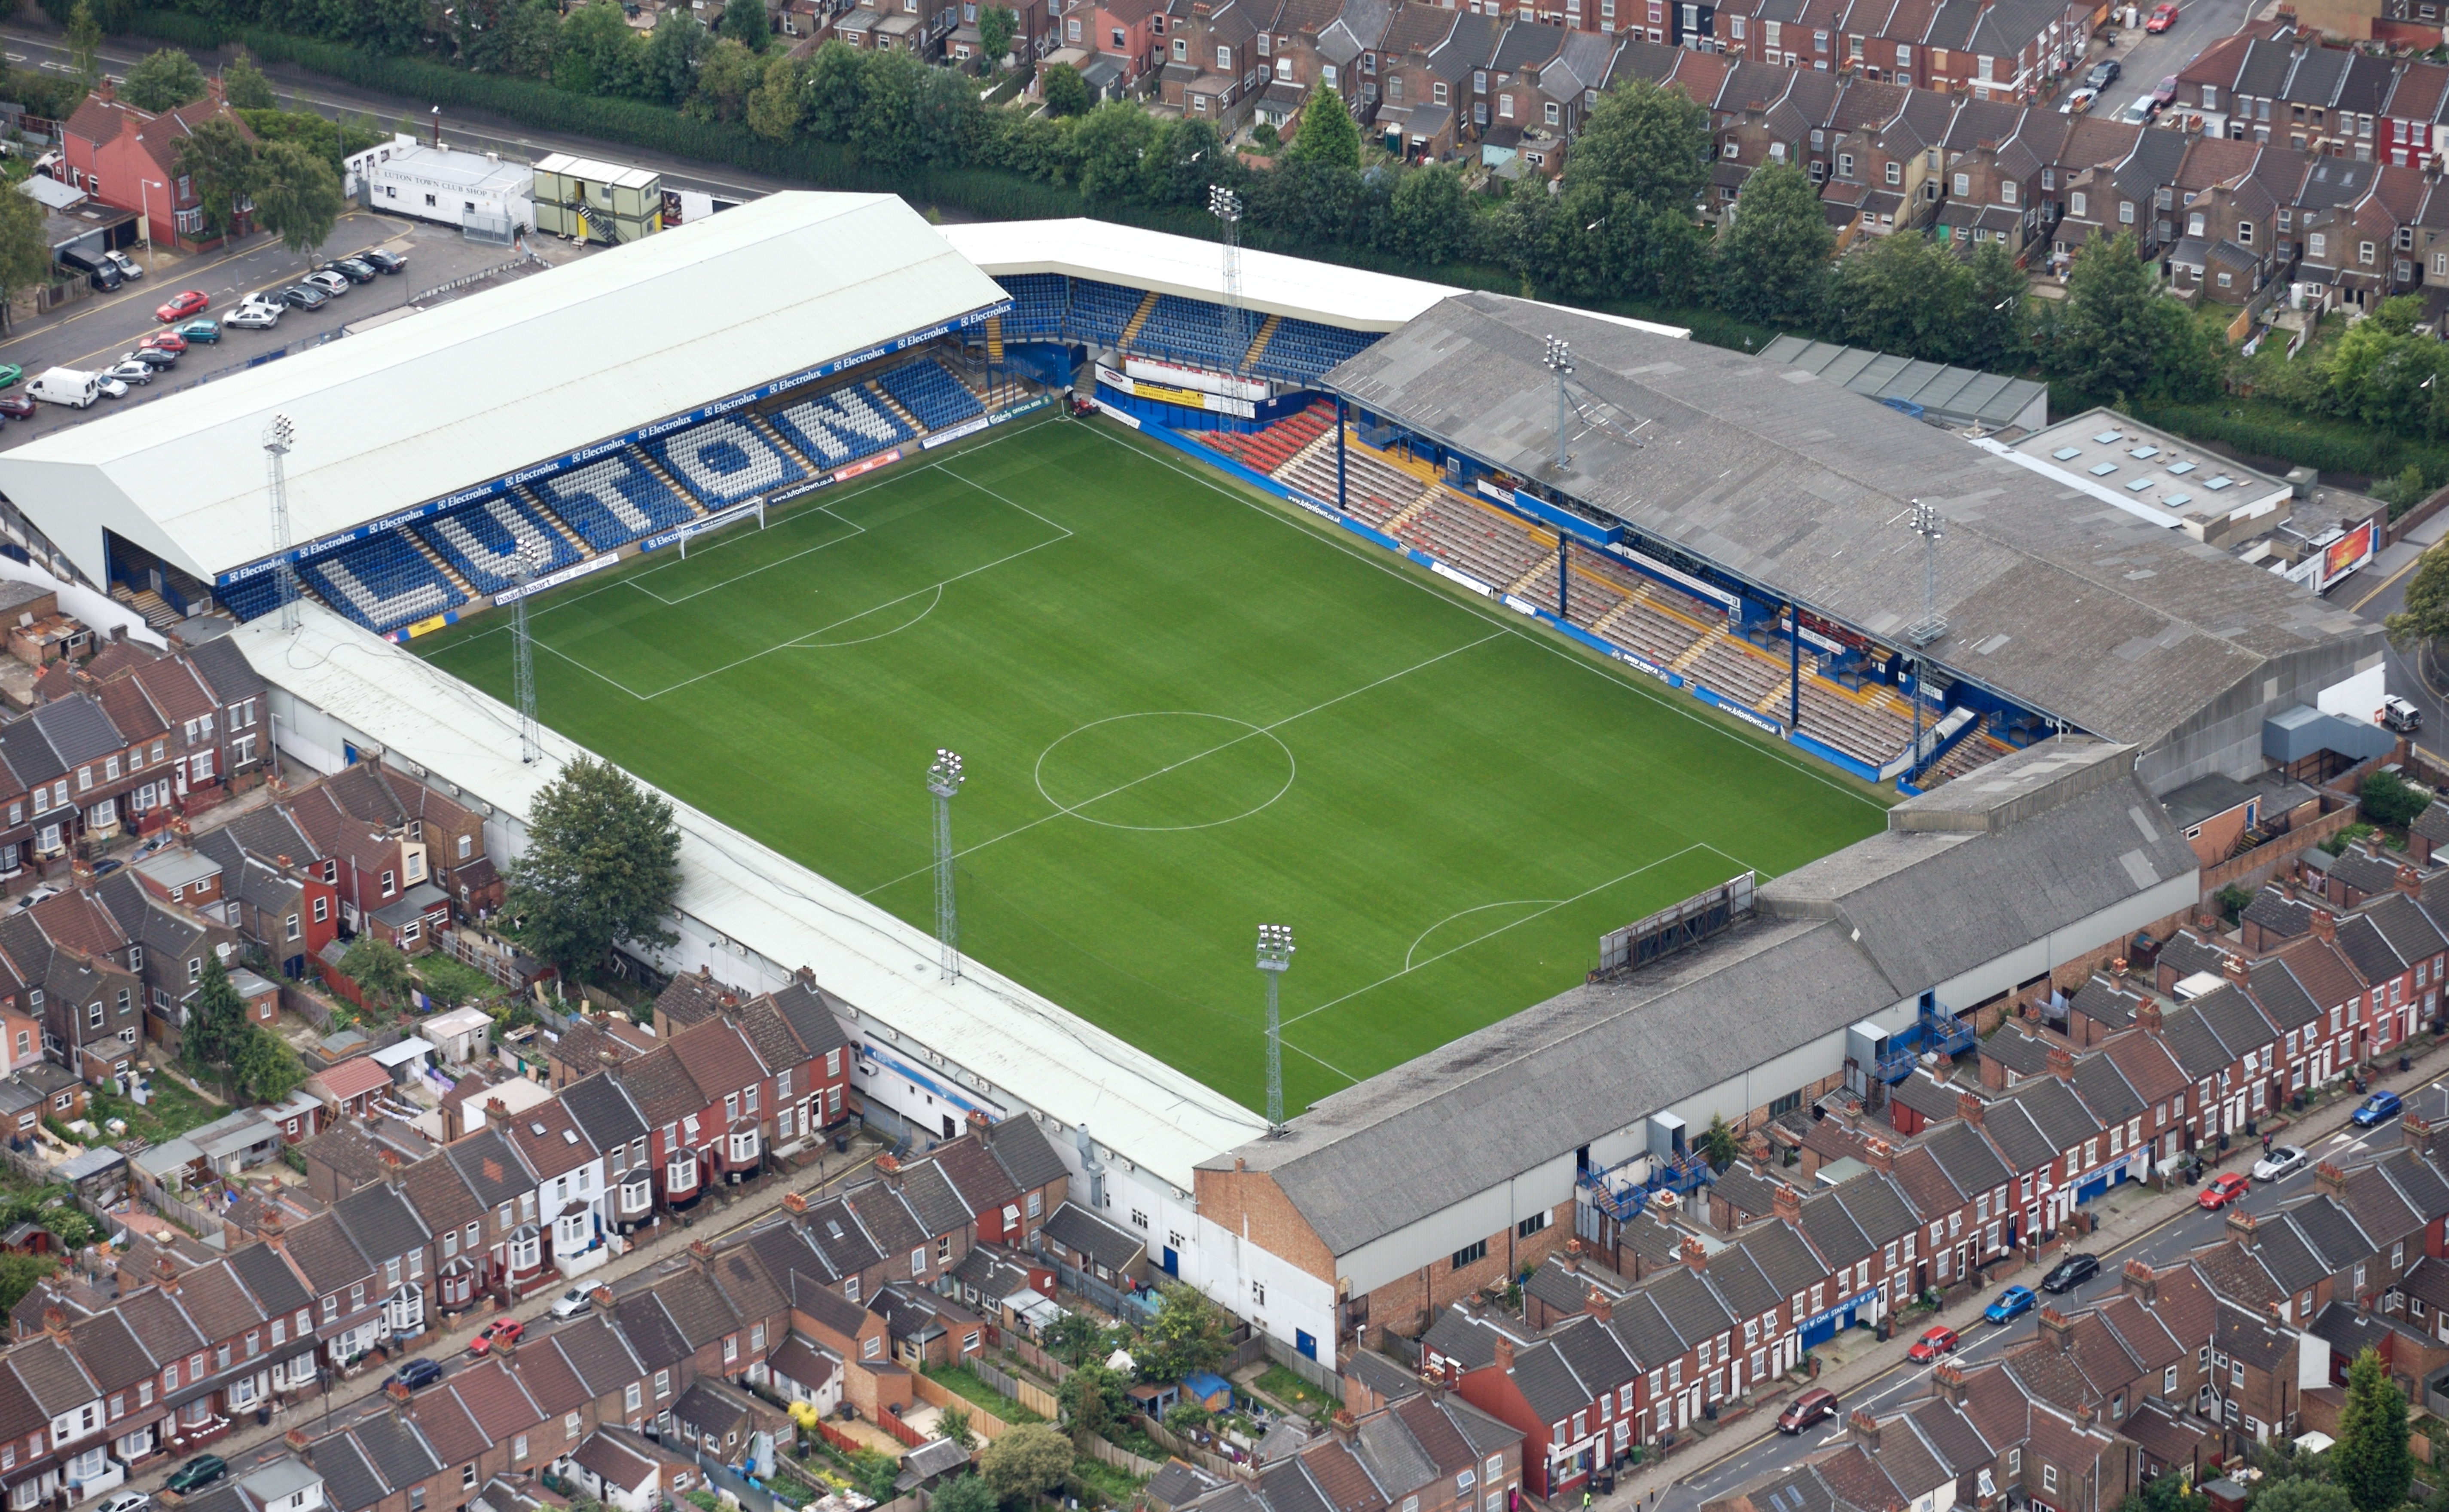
(1185,710)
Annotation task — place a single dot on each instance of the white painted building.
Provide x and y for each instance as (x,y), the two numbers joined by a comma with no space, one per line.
(480,191)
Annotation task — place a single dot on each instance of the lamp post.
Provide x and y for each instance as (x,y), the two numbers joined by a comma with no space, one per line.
(1275,958)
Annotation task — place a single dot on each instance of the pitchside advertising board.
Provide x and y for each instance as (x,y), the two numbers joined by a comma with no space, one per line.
(1188,387)
(2334,556)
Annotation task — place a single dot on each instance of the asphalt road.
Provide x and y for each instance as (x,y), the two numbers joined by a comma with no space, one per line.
(2147,59)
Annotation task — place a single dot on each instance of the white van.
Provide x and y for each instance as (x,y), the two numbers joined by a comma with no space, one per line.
(66,385)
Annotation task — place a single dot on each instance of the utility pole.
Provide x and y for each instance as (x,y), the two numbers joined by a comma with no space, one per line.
(943,780)
(1275,958)
(278,437)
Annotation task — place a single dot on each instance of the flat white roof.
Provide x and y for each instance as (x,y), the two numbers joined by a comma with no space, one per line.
(597,171)
(1031,1047)
(1351,297)
(472,389)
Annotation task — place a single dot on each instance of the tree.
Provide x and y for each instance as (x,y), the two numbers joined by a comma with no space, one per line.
(217,1022)
(775,106)
(725,81)
(1773,262)
(1093,1398)
(1718,1143)
(245,86)
(746,21)
(1904,294)
(2391,800)
(596,52)
(2114,336)
(84,43)
(1188,1417)
(1065,91)
(18,1274)
(1328,134)
(2166,1493)
(1112,142)
(1072,1337)
(264,1066)
(2370,1461)
(954,1424)
(297,194)
(378,969)
(970,1493)
(1429,214)
(2426,614)
(1030,1460)
(1647,142)
(389,28)
(220,157)
(1185,1336)
(1996,341)
(163,79)
(601,864)
(667,70)
(25,249)
(996,27)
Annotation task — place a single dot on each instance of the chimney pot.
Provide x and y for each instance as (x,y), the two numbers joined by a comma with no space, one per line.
(2062,1062)
(1865,1428)
(2241,1227)
(2410,881)
(1969,1108)
(886,1165)
(2326,926)
(1787,1204)
(1599,1305)
(1505,1353)
(794,1202)
(2147,1015)
(2234,968)
(1694,1254)
(2057,1328)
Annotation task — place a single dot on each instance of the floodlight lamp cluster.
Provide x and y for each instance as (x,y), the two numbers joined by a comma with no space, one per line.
(1559,356)
(1275,947)
(944,777)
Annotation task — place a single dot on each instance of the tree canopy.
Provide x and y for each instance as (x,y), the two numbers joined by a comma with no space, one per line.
(2426,614)
(25,249)
(163,79)
(2114,337)
(297,194)
(244,86)
(1064,90)
(601,866)
(1773,262)
(1647,142)
(1327,134)
(1030,1460)
(2370,1461)
(1186,1335)
(378,969)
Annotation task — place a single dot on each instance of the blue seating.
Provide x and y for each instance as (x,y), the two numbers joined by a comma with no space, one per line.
(1038,301)
(254,596)
(1197,332)
(483,542)
(1099,311)
(837,427)
(381,582)
(933,394)
(725,461)
(1303,350)
(614,501)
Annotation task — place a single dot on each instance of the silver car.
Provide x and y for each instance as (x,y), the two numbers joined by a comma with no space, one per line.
(331,284)
(129,370)
(254,317)
(110,387)
(128,267)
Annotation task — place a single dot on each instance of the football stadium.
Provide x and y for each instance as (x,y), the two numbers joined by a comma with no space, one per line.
(1306,614)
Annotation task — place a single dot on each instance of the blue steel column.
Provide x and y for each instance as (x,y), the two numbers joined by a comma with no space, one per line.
(1339,500)
(1794,669)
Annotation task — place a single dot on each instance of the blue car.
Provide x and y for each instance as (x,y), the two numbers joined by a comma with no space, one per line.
(2012,1304)
(2379,1106)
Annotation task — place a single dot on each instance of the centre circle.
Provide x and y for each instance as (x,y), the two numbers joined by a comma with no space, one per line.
(1161,771)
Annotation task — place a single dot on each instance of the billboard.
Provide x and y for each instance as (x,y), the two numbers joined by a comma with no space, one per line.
(2346,554)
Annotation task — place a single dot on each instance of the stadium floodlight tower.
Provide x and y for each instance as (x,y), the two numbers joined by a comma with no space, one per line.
(1925,518)
(1275,958)
(1559,359)
(944,780)
(525,560)
(1225,206)
(278,437)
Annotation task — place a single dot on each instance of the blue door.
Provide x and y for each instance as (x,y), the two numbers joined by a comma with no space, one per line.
(1820,1332)
(1173,1262)
(2090,1190)
(1306,1345)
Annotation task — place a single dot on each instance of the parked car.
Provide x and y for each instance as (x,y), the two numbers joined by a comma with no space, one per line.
(203,329)
(128,267)
(2400,716)
(2140,112)
(331,284)
(152,357)
(66,385)
(2279,1164)
(302,297)
(196,1474)
(1812,1407)
(354,269)
(418,1373)
(9,374)
(129,370)
(2070,1273)
(501,1330)
(2103,74)
(254,317)
(2012,1304)
(2379,1107)
(170,341)
(2079,102)
(1936,1340)
(571,1303)
(125,1501)
(98,270)
(181,304)
(2224,1188)
(17,407)
(382,262)
(109,387)
(2162,17)
(2165,93)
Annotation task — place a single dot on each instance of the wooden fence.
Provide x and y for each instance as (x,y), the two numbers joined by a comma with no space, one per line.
(1206,1459)
(982,1422)
(1039,1361)
(1124,1459)
(889,1420)
(1027,1393)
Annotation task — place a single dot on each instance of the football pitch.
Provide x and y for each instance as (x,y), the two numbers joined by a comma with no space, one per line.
(1184,710)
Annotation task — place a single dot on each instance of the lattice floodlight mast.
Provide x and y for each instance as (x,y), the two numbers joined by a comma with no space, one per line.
(525,560)
(1926,523)
(278,437)
(1275,958)
(1227,206)
(1559,359)
(943,780)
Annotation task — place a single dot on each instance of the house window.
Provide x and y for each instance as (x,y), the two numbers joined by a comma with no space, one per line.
(1224,59)
(1845,164)
(1471,1255)
(1894,175)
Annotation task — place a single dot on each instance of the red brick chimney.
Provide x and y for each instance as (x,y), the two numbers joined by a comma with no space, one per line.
(2234,968)
(2117,973)
(1570,1256)
(2331,1178)
(2410,881)
(1786,1203)
(1879,1154)
(2137,1280)
(2063,1062)
(391,1165)
(886,1165)
(1864,1429)
(977,1119)
(1695,1257)
(1970,1108)
(1949,1377)
(2326,926)
(2417,1130)
(2058,1329)
(165,1275)
(108,90)
(794,1202)
(1505,1353)
(2241,1227)
(1599,1305)
(2146,1014)
(55,1321)
(273,1230)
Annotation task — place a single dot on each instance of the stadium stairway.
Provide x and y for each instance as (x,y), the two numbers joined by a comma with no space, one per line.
(1258,343)
(450,573)
(764,426)
(1978,748)
(544,511)
(151,606)
(1542,575)
(891,406)
(1139,317)
(655,469)
(994,338)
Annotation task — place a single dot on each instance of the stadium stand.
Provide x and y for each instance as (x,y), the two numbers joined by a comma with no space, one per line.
(483,542)
(1100,311)
(1038,301)
(724,461)
(834,428)
(1302,350)
(937,398)
(1195,331)
(1176,328)
(1267,450)
(259,595)
(381,582)
(612,502)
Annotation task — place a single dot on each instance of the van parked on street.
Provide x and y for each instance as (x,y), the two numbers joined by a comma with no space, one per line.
(66,385)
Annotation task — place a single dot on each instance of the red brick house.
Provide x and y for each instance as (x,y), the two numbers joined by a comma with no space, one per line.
(128,157)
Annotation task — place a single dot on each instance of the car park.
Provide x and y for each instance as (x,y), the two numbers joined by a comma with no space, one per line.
(1815,1405)
(254,317)
(331,284)
(501,1330)
(2012,1304)
(2379,1108)
(205,330)
(1936,1340)
(197,1474)
(181,304)
(2079,102)
(2162,17)
(571,1303)
(2070,1273)
(128,267)
(2103,74)
(418,1373)
(382,262)
(129,370)
(352,269)
(2281,1163)
(2223,1189)
(303,297)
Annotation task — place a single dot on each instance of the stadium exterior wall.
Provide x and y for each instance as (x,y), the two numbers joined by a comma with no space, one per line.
(2226,735)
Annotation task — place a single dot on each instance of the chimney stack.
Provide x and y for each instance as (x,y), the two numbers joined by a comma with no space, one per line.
(794,1202)
(2241,1228)
(887,1166)
(2417,1130)
(1949,1377)
(1969,1107)
(107,89)
(165,1275)
(2063,1062)
(2331,1178)
(1505,1353)
(1864,1430)
(2234,968)
(2326,926)
(602,1297)
(296,1439)
(1599,1305)
(1695,1257)
(391,1164)
(273,1230)
(1880,1156)
(2146,1014)
(2410,881)
(2058,1329)
(2117,973)
(2138,1280)
(1787,1204)
(55,1321)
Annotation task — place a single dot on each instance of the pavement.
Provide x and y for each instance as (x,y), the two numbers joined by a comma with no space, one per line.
(2135,1223)
(646,1263)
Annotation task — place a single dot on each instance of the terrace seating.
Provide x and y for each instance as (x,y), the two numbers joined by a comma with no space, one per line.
(1731,669)
(612,502)
(1038,301)
(381,582)
(1265,451)
(1374,492)
(724,461)
(483,542)
(1303,350)
(1479,541)
(1197,332)
(257,596)
(834,428)
(1100,311)
(1977,749)
(936,397)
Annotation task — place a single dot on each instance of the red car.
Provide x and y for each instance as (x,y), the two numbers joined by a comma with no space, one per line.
(170,341)
(2162,17)
(2223,1190)
(501,1330)
(1940,1340)
(192,301)
(17,407)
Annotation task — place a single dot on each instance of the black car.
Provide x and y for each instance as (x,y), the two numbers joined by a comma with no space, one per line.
(382,262)
(352,269)
(2070,1273)
(2103,74)
(154,356)
(302,297)
(419,1372)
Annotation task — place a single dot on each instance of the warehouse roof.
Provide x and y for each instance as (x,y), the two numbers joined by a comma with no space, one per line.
(1771,473)
(412,412)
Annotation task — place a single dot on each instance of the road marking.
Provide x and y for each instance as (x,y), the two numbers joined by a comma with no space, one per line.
(2393,577)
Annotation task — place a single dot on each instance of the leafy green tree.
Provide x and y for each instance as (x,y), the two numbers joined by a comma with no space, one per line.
(725,79)
(2391,800)
(1644,141)
(1184,159)
(1429,214)
(520,39)
(601,864)
(996,27)
(1996,341)
(970,1493)
(215,1024)
(264,1067)
(836,81)
(1093,1399)
(2371,1461)
(297,194)
(775,106)
(1328,134)
(888,104)
(945,117)
(1773,262)
(1904,294)
(2426,614)
(746,23)
(954,1424)
(220,157)
(1030,1460)
(2301,1494)
(1072,1337)
(667,68)
(327,138)
(1188,1417)
(2168,1493)
(1065,91)
(163,79)
(1186,1335)
(1112,141)
(18,1274)
(378,969)
(25,249)
(245,86)
(389,28)
(2115,335)
(84,43)
(1719,1145)
(596,52)
(2381,373)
